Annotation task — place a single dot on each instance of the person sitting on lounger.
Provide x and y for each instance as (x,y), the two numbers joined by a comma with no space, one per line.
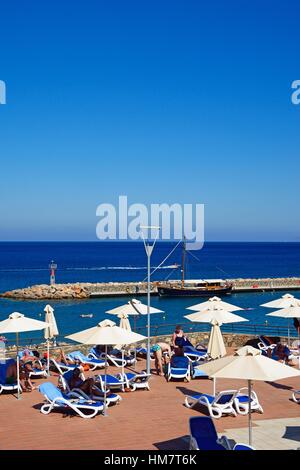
(12,377)
(30,361)
(178,360)
(281,353)
(88,386)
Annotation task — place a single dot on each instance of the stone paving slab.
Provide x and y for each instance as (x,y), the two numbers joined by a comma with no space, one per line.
(270,434)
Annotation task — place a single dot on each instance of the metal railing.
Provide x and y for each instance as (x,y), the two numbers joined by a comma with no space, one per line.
(167,329)
(233,328)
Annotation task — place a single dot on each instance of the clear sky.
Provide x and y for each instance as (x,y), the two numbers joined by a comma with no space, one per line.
(164,101)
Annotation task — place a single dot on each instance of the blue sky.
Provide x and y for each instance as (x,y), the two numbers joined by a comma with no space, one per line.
(163,101)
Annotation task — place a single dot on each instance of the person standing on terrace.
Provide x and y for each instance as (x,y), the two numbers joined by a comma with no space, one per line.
(179,339)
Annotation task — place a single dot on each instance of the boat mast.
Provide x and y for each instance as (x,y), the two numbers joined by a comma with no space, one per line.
(183,262)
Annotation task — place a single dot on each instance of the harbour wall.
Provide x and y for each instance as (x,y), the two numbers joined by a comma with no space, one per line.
(85,290)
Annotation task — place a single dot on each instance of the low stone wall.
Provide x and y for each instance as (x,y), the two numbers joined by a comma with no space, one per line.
(230,340)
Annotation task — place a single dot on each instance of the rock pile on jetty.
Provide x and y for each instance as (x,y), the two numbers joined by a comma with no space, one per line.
(79,290)
(44,291)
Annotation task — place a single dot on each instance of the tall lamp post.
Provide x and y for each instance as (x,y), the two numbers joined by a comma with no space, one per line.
(149,249)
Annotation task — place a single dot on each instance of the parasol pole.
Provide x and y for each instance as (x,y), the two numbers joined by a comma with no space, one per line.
(249,413)
(18,366)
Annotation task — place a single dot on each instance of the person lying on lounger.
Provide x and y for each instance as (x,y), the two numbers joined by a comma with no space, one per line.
(64,359)
(30,362)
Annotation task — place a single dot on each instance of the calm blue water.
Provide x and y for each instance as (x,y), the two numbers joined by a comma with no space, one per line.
(23,264)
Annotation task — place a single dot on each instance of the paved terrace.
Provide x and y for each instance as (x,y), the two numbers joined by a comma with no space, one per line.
(153,419)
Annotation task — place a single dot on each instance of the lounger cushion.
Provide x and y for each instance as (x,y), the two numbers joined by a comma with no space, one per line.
(205,434)
(176,371)
(243,398)
(52,392)
(180,362)
(199,373)
(224,399)
(111,379)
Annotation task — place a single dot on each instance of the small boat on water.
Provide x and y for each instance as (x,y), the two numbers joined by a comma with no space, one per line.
(193,287)
(87,315)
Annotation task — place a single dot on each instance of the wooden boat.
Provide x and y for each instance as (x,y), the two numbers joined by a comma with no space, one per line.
(193,287)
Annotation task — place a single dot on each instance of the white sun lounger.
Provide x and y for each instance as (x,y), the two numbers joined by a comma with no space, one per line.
(56,399)
(219,405)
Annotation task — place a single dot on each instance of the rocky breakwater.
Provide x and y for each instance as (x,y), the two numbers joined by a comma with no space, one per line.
(44,291)
(80,290)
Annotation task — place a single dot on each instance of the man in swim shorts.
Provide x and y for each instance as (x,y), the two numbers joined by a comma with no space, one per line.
(161,351)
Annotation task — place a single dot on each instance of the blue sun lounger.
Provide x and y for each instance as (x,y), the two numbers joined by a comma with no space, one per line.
(36,372)
(219,405)
(195,372)
(64,383)
(57,399)
(112,358)
(240,446)
(194,354)
(136,381)
(179,368)
(61,366)
(296,396)
(8,387)
(203,435)
(92,362)
(241,402)
(112,382)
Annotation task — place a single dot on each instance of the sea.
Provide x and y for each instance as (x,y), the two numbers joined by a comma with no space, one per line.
(23,264)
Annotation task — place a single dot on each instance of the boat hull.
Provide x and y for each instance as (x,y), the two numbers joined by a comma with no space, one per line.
(194,292)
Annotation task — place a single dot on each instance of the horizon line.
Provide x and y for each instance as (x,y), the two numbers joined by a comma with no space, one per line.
(141,241)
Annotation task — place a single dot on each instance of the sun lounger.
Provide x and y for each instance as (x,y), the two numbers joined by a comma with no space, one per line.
(112,359)
(64,383)
(296,396)
(8,387)
(240,446)
(219,405)
(179,368)
(112,382)
(264,345)
(241,402)
(57,399)
(194,354)
(143,352)
(203,435)
(38,372)
(136,381)
(195,372)
(61,366)
(92,362)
